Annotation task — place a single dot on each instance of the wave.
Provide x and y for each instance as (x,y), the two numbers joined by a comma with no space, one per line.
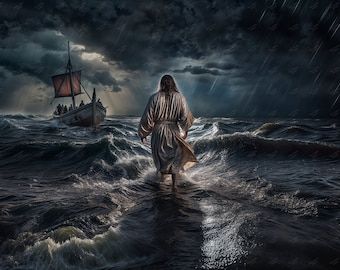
(20,116)
(54,150)
(245,142)
(91,200)
(296,130)
(227,183)
(283,129)
(107,250)
(128,167)
(271,130)
(67,154)
(10,125)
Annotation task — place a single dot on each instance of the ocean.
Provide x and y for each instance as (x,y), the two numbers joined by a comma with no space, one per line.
(264,195)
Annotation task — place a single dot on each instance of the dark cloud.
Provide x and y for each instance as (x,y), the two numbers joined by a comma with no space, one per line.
(263,49)
(48,40)
(198,70)
(223,66)
(41,54)
(104,78)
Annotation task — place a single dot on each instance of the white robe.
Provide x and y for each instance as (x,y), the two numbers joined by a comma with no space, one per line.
(163,116)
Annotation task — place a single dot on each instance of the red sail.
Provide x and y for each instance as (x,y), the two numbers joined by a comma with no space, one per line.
(62,85)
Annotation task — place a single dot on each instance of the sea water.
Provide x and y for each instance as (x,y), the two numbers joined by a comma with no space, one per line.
(264,195)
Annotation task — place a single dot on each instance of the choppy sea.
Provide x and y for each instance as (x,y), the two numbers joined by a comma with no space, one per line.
(264,195)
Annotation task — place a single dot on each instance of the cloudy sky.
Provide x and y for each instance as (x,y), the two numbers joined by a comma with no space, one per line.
(245,58)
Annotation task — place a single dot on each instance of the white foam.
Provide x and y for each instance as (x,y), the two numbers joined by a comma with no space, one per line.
(223,243)
(222,179)
(107,250)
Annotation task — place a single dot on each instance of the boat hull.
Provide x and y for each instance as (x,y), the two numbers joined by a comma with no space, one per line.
(87,115)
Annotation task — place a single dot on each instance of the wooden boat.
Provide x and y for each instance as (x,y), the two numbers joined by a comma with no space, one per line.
(69,84)
(91,114)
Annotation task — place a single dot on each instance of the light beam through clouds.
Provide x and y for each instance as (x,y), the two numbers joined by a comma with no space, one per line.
(125,47)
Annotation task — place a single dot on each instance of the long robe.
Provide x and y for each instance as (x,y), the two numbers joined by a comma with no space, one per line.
(164,115)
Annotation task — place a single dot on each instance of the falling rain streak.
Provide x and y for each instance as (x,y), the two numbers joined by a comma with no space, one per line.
(289,46)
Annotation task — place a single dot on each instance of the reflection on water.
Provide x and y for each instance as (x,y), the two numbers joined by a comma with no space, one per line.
(264,195)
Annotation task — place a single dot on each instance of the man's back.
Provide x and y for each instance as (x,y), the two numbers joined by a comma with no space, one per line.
(165,112)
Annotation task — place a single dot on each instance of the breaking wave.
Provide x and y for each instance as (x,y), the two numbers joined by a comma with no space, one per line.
(74,198)
(250,142)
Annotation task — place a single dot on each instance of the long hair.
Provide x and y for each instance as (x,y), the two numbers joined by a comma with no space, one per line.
(168,84)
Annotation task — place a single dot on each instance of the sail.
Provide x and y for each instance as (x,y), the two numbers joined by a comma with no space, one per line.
(62,85)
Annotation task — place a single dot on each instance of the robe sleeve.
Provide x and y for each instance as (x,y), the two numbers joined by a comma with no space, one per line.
(186,118)
(147,121)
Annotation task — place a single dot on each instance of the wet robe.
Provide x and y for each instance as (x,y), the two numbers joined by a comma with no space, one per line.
(164,115)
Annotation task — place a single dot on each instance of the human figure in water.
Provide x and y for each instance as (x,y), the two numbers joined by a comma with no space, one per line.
(166,114)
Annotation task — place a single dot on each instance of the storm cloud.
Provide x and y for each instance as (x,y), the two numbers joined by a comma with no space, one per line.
(198,70)
(230,58)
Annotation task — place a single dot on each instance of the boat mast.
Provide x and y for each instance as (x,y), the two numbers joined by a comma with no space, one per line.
(69,68)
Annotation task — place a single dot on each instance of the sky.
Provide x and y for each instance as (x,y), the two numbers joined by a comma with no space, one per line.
(235,58)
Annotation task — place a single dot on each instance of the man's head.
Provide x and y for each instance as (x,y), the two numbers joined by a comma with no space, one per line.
(168,84)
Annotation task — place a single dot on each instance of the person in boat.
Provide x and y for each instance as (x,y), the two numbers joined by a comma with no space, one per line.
(59,108)
(65,109)
(70,108)
(99,101)
(81,103)
(165,114)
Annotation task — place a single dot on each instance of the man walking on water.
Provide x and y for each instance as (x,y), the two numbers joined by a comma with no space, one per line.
(166,112)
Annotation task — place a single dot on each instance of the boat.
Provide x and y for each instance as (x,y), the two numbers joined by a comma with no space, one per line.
(69,84)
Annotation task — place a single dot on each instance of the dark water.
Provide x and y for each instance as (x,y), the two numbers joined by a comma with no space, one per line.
(265,195)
